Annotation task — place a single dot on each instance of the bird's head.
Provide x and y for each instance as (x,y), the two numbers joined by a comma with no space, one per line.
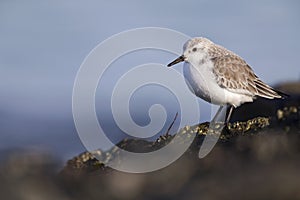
(194,51)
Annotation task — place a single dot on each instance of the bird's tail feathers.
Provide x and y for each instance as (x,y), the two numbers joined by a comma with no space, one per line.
(263,90)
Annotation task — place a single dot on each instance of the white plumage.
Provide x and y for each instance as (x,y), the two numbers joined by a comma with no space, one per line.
(219,76)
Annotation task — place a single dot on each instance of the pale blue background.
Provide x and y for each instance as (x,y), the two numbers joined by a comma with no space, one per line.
(42,44)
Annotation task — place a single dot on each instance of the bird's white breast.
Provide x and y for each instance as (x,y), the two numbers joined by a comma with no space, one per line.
(202,83)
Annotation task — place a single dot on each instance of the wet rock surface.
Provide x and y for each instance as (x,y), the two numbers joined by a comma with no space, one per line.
(254,158)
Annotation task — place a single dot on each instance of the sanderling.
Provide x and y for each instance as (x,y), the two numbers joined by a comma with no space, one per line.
(221,77)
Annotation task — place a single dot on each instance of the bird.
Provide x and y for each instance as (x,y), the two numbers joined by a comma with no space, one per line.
(221,77)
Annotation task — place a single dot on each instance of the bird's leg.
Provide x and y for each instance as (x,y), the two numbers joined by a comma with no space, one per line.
(229,114)
(217,114)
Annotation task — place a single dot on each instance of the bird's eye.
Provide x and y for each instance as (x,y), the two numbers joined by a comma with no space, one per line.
(194,49)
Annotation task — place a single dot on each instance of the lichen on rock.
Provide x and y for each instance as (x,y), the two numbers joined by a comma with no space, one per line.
(90,160)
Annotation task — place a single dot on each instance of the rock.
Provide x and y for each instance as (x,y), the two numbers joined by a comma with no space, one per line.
(257,156)
(87,161)
(292,88)
(254,158)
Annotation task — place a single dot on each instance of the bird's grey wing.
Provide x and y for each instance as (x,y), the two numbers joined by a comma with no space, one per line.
(234,74)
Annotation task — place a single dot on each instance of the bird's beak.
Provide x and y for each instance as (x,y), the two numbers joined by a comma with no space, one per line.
(177,60)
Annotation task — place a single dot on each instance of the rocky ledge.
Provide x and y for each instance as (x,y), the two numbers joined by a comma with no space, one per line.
(256,157)
(286,121)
